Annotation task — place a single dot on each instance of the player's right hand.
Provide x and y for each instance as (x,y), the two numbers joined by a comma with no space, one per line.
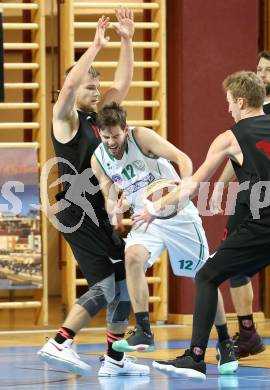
(100,40)
(216,199)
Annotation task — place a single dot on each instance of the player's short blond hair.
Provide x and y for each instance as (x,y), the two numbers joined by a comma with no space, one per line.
(93,72)
(246,85)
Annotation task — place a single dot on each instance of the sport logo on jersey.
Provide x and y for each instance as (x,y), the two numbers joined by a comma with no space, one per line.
(117,178)
(265,145)
(138,185)
(139,164)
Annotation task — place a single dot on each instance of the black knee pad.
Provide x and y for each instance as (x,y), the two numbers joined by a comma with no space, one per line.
(121,314)
(239,281)
(202,275)
(98,296)
(119,309)
(93,301)
(206,275)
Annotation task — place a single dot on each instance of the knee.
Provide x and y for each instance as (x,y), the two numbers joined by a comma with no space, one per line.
(119,310)
(133,260)
(200,276)
(204,276)
(98,296)
(239,281)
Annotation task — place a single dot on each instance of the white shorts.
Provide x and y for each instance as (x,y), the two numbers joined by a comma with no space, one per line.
(185,241)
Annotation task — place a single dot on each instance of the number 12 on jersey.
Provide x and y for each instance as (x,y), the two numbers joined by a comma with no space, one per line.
(186,264)
(128,171)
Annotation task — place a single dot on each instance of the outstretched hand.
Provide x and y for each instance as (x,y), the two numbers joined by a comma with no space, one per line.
(125,27)
(143,217)
(100,40)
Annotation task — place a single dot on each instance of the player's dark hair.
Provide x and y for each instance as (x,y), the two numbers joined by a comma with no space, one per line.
(264,54)
(112,115)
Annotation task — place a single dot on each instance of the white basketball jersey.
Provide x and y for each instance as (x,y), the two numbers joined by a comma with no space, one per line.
(182,235)
(135,170)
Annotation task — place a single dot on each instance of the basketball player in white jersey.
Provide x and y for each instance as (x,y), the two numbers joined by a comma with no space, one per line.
(131,159)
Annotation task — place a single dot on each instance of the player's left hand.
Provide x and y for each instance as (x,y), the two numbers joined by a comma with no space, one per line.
(125,27)
(142,217)
(117,215)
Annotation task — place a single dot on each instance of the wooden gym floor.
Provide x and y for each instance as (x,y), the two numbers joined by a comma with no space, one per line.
(21,369)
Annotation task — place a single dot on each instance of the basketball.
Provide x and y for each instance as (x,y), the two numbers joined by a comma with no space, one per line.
(156,191)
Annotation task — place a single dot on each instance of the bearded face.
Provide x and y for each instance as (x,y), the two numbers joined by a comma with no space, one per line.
(263,71)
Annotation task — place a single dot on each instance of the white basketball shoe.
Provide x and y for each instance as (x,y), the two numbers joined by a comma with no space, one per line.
(63,356)
(126,366)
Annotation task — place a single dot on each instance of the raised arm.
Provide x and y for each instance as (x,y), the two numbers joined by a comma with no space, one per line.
(65,118)
(152,143)
(124,71)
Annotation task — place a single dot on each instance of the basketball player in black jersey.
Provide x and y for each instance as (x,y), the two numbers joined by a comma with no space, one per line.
(84,223)
(263,71)
(247,341)
(246,250)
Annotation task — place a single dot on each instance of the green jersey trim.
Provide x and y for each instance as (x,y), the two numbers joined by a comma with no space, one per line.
(201,255)
(101,164)
(110,155)
(138,146)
